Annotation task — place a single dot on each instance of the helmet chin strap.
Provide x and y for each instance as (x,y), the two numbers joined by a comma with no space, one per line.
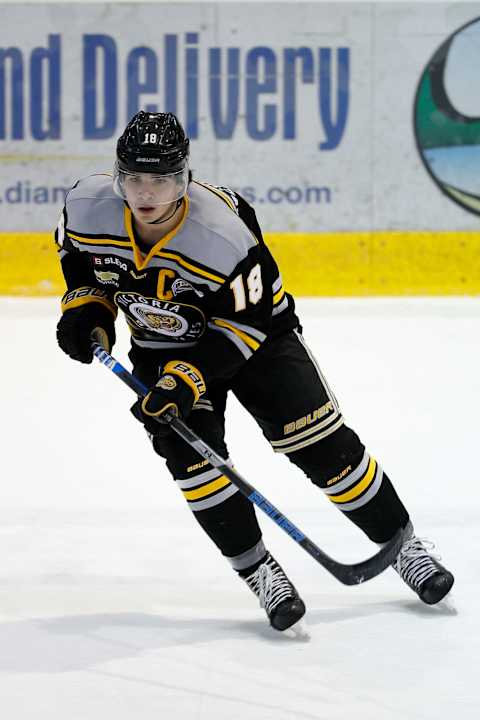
(159,221)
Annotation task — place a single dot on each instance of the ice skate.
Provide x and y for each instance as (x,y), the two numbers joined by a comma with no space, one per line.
(421,571)
(277,595)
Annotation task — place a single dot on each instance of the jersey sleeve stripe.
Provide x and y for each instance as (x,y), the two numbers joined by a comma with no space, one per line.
(98,241)
(277,284)
(278,296)
(281,307)
(158,344)
(193,268)
(251,342)
(219,193)
(240,344)
(60,231)
(247,329)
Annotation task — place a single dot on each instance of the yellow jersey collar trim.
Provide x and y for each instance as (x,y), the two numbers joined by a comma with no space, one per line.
(141,262)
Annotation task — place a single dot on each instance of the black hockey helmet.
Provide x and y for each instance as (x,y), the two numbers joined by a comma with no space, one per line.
(154,143)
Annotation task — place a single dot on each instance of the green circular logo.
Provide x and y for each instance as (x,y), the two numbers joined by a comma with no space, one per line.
(447,116)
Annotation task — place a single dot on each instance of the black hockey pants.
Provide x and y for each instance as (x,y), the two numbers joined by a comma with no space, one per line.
(282,387)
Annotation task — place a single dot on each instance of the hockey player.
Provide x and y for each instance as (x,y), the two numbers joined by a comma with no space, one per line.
(186,263)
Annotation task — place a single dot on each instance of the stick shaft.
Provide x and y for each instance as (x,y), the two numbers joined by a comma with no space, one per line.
(347,574)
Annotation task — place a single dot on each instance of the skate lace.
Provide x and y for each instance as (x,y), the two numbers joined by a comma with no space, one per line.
(415,562)
(270,585)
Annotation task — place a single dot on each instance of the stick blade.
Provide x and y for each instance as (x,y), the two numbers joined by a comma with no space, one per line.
(367,569)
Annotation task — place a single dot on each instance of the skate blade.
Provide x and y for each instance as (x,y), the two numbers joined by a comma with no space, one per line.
(298,631)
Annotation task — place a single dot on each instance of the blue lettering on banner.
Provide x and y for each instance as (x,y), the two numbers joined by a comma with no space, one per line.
(99,123)
(43,97)
(261,128)
(40,59)
(266,80)
(334,130)
(289,85)
(224,125)
(141,58)
(191,63)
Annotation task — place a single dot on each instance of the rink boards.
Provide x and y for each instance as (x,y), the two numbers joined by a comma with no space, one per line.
(312,264)
(361,164)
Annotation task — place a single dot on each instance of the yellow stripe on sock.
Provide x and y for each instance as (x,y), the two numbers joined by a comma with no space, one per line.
(359,487)
(207,489)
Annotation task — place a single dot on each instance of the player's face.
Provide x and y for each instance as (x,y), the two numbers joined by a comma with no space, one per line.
(150,196)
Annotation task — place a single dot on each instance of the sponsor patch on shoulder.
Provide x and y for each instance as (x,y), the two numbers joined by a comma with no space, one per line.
(107,277)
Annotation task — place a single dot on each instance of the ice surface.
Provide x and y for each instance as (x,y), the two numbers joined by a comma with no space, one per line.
(114,605)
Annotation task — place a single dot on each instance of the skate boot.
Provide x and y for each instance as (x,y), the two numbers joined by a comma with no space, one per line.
(420,569)
(276,593)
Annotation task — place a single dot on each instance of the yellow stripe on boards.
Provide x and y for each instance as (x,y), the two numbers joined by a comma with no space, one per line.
(30,265)
(380,263)
(207,489)
(316,264)
(359,487)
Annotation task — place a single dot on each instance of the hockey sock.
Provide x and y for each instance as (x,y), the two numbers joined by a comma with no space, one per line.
(233,527)
(355,483)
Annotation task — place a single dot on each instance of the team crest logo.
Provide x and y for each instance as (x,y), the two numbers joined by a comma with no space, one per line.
(178,322)
(167,382)
(161,321)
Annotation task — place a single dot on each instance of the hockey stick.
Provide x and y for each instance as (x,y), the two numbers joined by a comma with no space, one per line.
(346,574)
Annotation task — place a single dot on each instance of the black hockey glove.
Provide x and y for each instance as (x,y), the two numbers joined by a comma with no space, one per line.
(75,328)
(178,389)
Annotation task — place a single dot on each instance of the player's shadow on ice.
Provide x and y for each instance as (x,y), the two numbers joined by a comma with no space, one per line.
(410,607)
(80,642)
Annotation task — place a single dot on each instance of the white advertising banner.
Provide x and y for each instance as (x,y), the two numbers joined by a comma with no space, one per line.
(320,114)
